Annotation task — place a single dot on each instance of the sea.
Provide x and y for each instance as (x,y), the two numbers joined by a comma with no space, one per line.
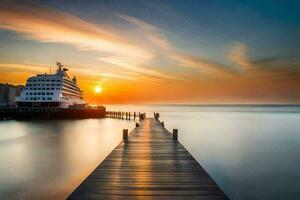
(251,151)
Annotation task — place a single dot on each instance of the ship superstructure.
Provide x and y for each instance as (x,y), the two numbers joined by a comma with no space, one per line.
(51,90)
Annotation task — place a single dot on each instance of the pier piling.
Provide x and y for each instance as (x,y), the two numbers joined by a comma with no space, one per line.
(125,134)
(175,134)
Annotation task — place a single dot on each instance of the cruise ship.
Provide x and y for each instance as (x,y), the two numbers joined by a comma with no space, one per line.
(51,90)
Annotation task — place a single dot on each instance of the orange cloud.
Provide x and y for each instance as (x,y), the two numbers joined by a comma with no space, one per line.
(48,25)
(45,24)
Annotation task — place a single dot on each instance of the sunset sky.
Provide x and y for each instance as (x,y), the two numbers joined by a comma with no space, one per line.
(168,51)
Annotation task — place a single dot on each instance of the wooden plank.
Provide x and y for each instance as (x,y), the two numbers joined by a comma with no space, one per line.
(150,165)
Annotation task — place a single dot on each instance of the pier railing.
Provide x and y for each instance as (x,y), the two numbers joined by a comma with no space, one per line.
(125,115)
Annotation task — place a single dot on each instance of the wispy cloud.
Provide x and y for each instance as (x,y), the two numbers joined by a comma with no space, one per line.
(151,32)
(49,25)
(277,63)
(21,67)
(156,37)
(45,24)
(238,55)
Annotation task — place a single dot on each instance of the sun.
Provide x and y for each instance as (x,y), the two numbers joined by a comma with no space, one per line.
(98,89)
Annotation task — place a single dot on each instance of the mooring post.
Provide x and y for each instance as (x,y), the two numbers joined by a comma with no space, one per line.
(163,124)
(137,125)
(175,134)
(125,135)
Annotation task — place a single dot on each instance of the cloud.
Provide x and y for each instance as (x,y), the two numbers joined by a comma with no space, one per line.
(156,37)
(49,25)
(278,63)
(238,55)
(205,66)
(45,24)
(274,64)
(21,67)
(151,32)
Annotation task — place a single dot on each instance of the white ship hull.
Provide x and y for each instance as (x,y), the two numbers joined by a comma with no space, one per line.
(51,90)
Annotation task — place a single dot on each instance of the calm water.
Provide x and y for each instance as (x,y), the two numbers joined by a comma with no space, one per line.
(48,159)
(251,152)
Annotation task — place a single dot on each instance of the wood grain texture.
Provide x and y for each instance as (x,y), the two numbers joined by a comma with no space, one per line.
(150,165)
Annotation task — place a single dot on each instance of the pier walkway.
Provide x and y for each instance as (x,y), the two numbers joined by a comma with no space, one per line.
(150,165)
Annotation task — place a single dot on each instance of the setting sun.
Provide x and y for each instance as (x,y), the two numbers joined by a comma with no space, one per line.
(98,89)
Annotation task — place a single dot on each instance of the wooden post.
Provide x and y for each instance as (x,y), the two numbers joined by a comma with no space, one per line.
(175,134)
(163,124)
(125,135)
(137,125)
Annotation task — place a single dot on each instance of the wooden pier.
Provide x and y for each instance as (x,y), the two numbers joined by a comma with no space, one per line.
(124,115)
(26,113)
(149,163)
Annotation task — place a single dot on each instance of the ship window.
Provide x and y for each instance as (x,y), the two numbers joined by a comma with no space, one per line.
(31,98)
(34,98)
(52,88)
(48,88)
(57,88)
(34,93)
(57,80)
(49,98)
(43,98)
(39,93)
(51,93)
(43,93)
(30,93)
(52,80)
(47,84)
(47,93)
